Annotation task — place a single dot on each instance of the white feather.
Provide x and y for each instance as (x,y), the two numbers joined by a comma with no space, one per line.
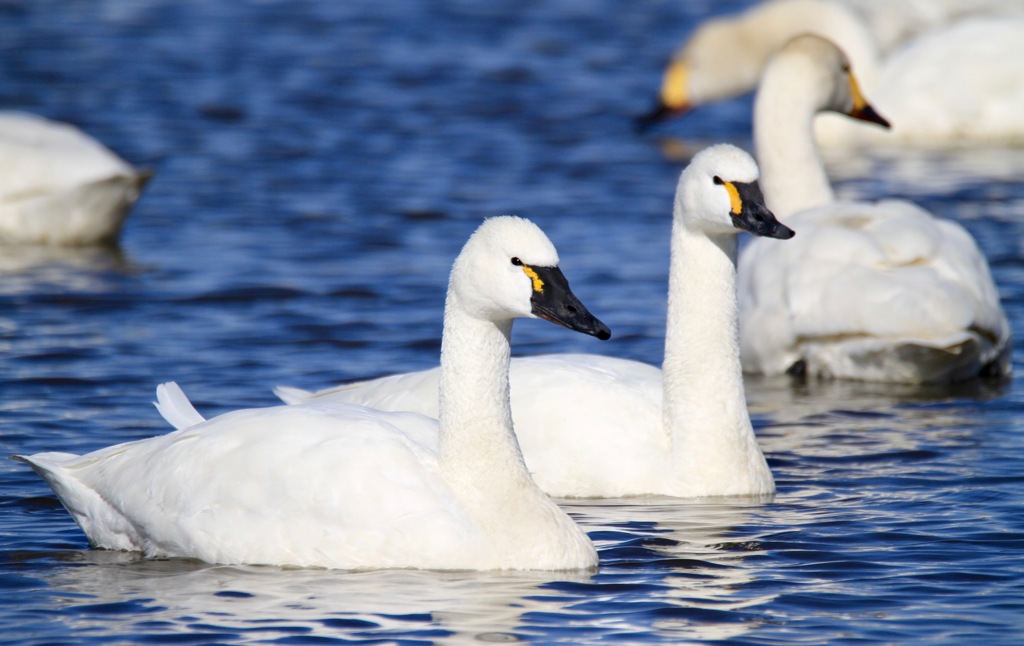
(175,407)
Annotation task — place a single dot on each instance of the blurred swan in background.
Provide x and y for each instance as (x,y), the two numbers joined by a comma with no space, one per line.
(596,426)
(349,487)
(944,72)
(58,186)
(878,291)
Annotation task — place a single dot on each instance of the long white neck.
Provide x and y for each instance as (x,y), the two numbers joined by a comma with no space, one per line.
(477,446)
(714,448)
(479,456)
(793,175)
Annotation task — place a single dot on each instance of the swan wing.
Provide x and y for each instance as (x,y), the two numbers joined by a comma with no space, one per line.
(863,279)
(588,425)
(325,485)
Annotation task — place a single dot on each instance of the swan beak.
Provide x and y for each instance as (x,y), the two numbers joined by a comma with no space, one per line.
(750,213)
(672,101)
(554,301)
(861,108)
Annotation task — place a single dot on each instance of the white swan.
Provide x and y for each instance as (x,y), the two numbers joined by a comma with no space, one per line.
(878,291)
(960,82)
(343,486)
(58,186)
(594,426)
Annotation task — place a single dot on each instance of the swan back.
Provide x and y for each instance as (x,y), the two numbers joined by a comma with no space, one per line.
(38,155)
(925,308)
(58,186)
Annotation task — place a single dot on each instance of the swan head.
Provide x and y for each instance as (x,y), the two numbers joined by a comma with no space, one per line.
(725,56)
(815,64)
(509,269)
(718,193)
(709,67)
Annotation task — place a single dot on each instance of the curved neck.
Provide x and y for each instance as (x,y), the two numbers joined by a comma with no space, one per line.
(705,410)
(793,175)
(477,448)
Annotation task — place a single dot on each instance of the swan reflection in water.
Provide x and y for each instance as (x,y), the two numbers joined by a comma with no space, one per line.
(27,268)
(667,565)
(835,418)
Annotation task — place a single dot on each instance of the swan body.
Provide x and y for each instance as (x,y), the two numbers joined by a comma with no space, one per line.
(564,406)
(892,24)
(593,426)
(908,56)
(344,486)
(879,291)
(58,186)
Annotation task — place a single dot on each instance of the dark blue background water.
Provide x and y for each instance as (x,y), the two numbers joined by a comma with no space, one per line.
(318,166)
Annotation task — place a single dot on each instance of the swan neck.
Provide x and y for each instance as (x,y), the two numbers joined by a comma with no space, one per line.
(704,410)
(702,364)
(793,175)
(477,444)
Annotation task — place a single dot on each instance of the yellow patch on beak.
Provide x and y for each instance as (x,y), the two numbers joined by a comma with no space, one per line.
(538,284)
(734,197)
(673,86)
(859,102)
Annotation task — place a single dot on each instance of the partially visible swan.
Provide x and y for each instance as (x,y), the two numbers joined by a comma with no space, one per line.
(879,291)
(595,426)
(974,60)
(58,186)
(345,486)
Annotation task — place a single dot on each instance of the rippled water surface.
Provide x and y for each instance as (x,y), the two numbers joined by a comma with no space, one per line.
(318,166)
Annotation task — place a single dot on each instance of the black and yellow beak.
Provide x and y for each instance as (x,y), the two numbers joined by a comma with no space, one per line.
(749,212)
(861,108)
(553,300)
(672,100)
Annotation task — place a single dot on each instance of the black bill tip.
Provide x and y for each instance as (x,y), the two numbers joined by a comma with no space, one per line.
(868,113)
(553,301)
(753,216)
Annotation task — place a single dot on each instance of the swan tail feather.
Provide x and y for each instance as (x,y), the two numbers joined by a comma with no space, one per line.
(175,407)
(290,395)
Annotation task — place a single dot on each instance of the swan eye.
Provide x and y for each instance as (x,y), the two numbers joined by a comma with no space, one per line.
(517,262)
(718,180)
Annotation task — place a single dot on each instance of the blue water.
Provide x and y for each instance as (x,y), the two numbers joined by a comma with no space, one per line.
(318,166)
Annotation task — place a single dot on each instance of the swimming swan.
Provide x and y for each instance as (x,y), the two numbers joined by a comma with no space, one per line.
(343,486)
(595,426)
(58,186)
(969,67)
(877,291)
